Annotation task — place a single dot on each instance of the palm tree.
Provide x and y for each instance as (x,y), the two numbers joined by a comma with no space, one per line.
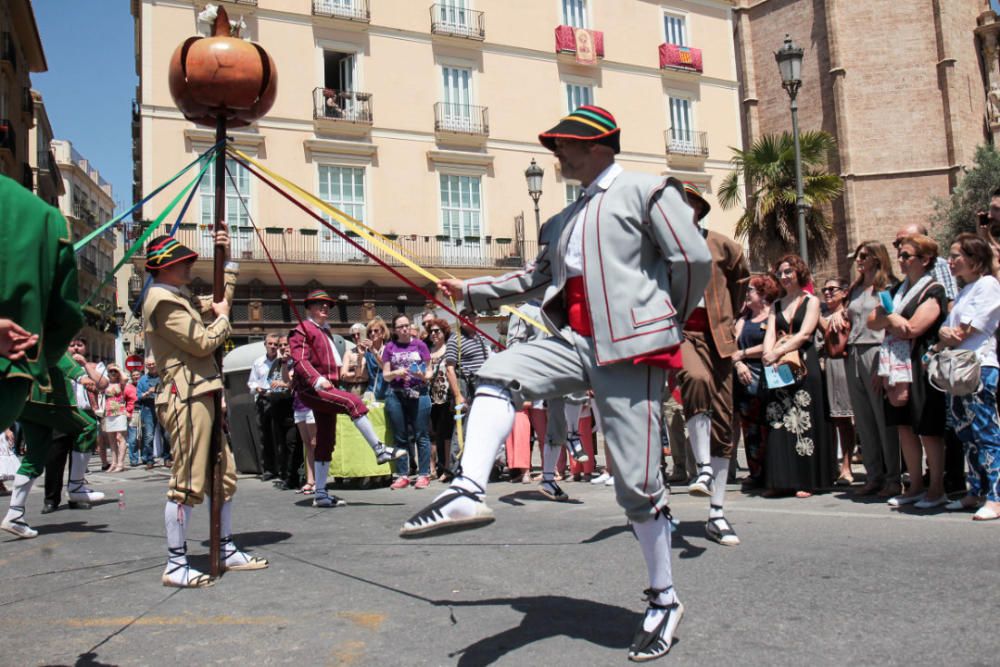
(770,221)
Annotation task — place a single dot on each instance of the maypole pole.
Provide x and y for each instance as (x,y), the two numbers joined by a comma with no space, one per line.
(221,81)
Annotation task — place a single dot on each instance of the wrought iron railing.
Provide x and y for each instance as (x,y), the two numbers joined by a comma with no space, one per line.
(686,142)
(461,119)
(349,106)
(352,10)
(312,246)
(458,22)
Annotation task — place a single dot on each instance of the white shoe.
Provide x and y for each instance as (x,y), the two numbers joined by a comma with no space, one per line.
(931,503)
(19,527)
(385,454)
(178,574)
(703,483)
(80,492)
(901,500)
(610,481)
(236,560)
(456,508)
(328,501)
(601,479)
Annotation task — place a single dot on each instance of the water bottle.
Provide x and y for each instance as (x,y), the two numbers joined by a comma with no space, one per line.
(121,499)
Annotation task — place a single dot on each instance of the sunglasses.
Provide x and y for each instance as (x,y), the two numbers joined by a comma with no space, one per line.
(435,330)
(862,256)
(905,255)
(831,290)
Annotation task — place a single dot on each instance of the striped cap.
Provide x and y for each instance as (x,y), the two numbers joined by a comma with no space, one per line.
(318,295)
(693,193)
(587,123)
(164,251)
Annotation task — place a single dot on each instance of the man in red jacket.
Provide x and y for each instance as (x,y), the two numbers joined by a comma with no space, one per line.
(317,355)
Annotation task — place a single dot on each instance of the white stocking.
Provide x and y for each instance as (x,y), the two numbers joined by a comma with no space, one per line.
(321,470)
(19,496)
(720,467)
(654,538)
(550,454)
(700,435)
(572,412)
(491,419)
(367,431)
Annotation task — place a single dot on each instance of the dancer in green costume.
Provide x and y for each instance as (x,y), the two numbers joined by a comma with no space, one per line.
(38,294)
(46,415)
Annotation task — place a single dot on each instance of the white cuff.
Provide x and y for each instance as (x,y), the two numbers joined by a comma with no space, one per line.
(317,382)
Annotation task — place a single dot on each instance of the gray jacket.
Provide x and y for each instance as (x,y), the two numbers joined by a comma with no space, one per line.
(645,266)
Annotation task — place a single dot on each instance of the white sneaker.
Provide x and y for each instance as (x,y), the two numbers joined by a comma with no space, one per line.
(610,481)
(601,479)
(80,492)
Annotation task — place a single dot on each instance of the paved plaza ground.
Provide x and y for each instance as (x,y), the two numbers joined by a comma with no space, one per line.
(820,581)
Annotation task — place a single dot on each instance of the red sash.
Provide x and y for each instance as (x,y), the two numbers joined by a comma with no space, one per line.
(577,309)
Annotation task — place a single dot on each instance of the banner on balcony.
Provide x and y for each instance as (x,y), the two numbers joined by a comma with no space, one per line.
(586,50)
(680,57)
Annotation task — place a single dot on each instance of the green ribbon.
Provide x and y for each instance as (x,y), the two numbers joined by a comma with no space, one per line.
(141,241)
(103,228)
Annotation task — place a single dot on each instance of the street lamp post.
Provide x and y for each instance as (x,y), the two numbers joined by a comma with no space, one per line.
(533,174)
(789,58)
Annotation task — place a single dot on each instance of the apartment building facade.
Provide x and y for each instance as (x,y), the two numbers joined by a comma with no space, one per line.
(87,202)
(21,54)
(420,119)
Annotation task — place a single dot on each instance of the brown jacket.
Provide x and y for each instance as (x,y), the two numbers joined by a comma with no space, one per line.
(182,343)
(726,290)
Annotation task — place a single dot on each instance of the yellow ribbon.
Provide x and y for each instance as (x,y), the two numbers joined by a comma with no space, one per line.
(364,231)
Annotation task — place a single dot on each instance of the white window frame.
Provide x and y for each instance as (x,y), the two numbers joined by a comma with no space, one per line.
(456,121)
(573,192)
(569,83)
(330,246)
(692,128)
(584,14)
(241,237)
(681,16)
(458,251)
(459,10)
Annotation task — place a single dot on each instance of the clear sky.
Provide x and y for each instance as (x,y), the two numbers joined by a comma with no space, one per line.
(90,83)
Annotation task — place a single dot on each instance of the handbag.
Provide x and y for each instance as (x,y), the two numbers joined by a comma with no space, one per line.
(793,360)
(835,343)
(954,372)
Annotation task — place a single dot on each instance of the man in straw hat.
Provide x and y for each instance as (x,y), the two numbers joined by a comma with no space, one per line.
(706,380)
(618,272)
(317,355)
(184,346)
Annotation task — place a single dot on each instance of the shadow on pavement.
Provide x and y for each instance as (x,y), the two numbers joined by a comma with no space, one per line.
(679,537)
(533,496)
(73,527)
(257,538)
(548,616)
(607,533)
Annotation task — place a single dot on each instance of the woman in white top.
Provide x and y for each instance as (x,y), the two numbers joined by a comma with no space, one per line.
(972,325)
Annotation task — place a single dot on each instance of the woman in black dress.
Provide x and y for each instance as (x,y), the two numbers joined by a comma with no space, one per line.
(799,451)
(920,308)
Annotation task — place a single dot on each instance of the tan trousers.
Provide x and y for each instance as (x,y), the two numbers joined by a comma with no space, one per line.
(190,424)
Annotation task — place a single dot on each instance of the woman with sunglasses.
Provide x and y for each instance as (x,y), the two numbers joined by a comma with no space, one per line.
(916,409)
(841,412)
(442,413)
(378,333)
(406,368)
(879,444)
(354,372)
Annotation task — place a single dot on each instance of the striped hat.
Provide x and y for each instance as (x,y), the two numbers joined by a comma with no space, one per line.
(164,251)
(318,295)
(694,194)
(587,123)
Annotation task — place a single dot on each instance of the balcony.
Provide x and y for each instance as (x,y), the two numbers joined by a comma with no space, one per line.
(461,119)
(685,146)
(350,10)
(8,54)
(458,22)
(312,246)
(342,106)
(27,101)
(586,45)
(680,58)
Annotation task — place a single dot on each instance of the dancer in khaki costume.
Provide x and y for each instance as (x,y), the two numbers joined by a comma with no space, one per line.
(183,346)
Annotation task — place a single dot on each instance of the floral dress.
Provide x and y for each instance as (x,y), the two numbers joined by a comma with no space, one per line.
(800,453)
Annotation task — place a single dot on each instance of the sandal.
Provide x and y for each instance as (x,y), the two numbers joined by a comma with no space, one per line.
(655,643)
(307,489)
(720,530)
(190,577)
(703,483)
(432,519)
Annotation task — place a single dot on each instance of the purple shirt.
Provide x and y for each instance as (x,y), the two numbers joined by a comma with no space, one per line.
(414,356)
